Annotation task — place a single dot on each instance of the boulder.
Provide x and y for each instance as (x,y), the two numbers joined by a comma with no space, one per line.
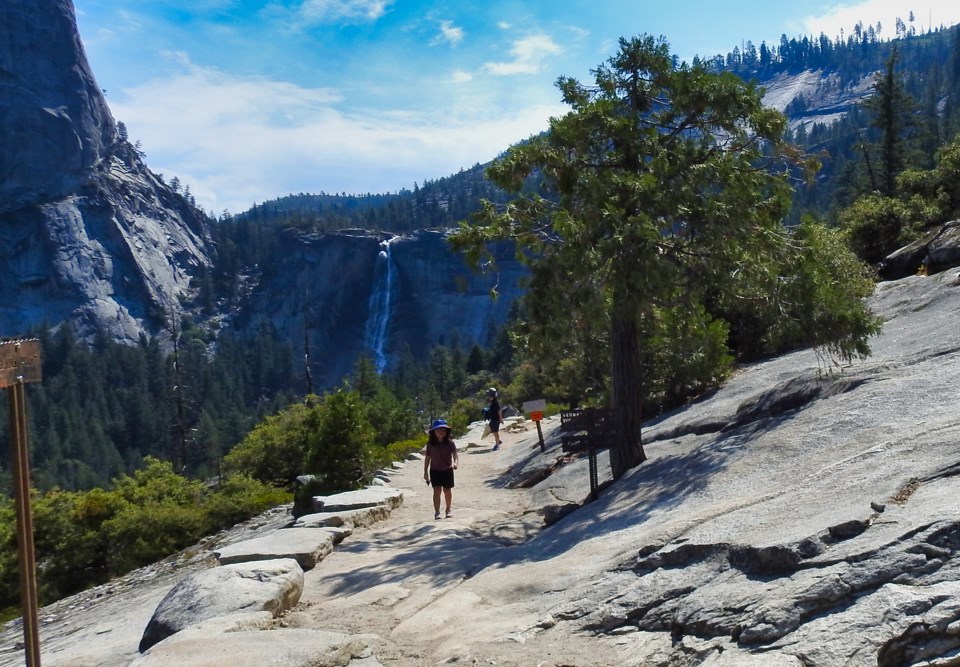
(251,648)
(354,500)
(307,546)
(936,251)
(272,586)
(358,518)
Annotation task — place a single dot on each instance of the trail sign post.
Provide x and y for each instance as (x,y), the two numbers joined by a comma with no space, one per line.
(19,364)
(536,409)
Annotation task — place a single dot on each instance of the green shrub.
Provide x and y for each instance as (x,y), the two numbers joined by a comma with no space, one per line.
(876,226)
(239,498)
(275,451)
(462,413)
(340,443)
(9,573)
(84,538)
(72,550)
(399,451)
(381,457)
(685,354)
(303,496)
(140,535)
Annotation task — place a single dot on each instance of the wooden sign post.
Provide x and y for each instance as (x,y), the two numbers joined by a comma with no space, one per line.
(536,409)
(19,364)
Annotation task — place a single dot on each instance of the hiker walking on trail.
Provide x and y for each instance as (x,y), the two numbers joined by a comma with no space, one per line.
(495,416)
(439,463)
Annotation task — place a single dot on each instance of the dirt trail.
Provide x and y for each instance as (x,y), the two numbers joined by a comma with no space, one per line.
(380,577)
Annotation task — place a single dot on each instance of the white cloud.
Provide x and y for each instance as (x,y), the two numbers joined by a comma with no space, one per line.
(528,56)
(129,21)
(503,25)
(846,16)
(449,33)
(236,141)
(460,76)
(336,11)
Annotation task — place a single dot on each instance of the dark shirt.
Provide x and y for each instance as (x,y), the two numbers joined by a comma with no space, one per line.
(493,414)
(441,454)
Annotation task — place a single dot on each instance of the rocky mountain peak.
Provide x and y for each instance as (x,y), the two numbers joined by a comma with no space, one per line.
(56,125)
(88,234)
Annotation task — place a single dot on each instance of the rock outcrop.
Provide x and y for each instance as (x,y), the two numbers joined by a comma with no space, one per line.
(271,586)
(87,233)
(936,251)
(259,579)
(56,125)
(815,96)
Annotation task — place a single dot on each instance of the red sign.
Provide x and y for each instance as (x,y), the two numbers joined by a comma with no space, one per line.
(536,415)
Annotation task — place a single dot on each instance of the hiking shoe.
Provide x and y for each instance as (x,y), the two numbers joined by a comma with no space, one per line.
(496,447)
(437,515)
(449,514)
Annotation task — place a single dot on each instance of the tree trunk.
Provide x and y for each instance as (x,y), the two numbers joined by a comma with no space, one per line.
(627,401)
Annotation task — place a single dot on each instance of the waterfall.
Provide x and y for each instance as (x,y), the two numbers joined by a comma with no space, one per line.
(378,321)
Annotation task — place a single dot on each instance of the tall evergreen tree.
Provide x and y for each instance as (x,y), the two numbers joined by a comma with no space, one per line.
(672,185)
(893,111)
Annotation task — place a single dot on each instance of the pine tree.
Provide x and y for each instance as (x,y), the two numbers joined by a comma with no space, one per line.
(660,199)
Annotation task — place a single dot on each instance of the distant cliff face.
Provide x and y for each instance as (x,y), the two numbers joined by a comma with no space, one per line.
(335,288)
(809,97)
(87,233)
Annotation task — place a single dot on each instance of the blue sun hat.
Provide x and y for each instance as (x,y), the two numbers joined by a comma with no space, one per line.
(439,423)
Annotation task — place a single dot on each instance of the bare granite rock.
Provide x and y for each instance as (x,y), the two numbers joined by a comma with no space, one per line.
(354,518)
(307,546)
(56,126)
(286,647)
(273,586)
(90,235)
(350,501)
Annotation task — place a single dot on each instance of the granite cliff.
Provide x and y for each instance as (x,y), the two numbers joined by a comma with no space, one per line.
(361,293)
(87,233)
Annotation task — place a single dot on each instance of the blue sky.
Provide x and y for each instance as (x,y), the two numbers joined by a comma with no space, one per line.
(248,100)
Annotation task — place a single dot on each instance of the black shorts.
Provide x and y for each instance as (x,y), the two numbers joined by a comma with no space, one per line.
(442,478)
(494,425)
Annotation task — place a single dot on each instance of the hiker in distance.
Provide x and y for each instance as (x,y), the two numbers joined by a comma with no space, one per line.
(495,415)
(440,461)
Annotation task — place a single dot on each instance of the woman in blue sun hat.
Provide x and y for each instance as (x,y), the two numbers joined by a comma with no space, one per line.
(439,463)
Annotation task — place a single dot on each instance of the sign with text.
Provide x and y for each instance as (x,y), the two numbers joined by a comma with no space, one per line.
(539,405)
(19,362)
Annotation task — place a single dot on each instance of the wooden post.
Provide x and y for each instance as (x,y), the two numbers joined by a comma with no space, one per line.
(20,363)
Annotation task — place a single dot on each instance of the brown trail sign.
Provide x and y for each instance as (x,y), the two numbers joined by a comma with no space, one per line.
(19,364)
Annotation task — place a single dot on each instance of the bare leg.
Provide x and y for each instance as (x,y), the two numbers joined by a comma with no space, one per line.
(436,498)
(447,497)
